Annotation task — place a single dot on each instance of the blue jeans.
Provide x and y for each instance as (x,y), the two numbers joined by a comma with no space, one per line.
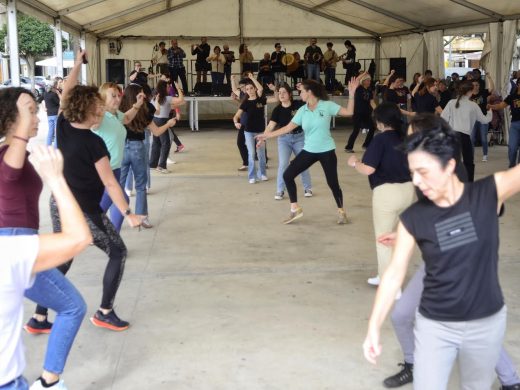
(51,120)
(480,131)
(330,76)
(313,72)
(19,383)
(217,79)
(514,143)
(287,145)
(129,185)
(134,158)
(251,148)
(106,200)
(53,290)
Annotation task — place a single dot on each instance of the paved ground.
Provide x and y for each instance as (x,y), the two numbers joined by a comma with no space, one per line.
(221,295)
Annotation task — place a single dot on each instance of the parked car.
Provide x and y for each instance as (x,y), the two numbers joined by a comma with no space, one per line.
(25,82)
(43,81)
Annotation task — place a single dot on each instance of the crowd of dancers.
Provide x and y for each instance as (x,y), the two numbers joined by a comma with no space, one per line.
(453,307)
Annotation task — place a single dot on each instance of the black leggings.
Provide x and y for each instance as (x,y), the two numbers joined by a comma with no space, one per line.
(109,241)
(160,146)
(361,123)
(175,138)
(468,152)
(303,161)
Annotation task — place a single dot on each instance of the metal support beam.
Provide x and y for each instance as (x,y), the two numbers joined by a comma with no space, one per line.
(377,58)
(78,7)
(98,54)
(241,20)
(331,18)
(83,46)
(12,31)
(382,11)
(117,15)
(478,8)
(58,47)
(136,22)
(500,48)
(38,6)
(439,27)
(324,4)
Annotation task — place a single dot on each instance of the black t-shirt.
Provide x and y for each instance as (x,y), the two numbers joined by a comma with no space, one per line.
(310,54)
(277,65)
(459,245)
(283,115)
(362,98)
(514,104)
(255,114)
(390,95)
(52,103)
(81,149)
(391,165)
(445,98)
(402,95)
(481,99)
(141,78)
(425,103)
(132,135)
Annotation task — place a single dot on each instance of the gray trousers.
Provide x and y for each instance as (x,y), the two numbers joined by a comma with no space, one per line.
(474,344)
(403,320)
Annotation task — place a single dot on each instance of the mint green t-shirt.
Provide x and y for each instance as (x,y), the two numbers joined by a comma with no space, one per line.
(112,131)
(316,126)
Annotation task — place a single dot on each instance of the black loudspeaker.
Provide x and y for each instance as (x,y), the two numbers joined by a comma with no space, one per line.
(226,90)
(399,65)
(115,71)
(203,89)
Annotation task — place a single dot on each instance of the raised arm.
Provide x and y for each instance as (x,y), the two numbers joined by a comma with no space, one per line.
(387,78)
(349,110)
(390,283)
(416,88)
(72,79)
(132,112)
(55,249)
(491,84)
(274,98)
(507,183)
(234,85)
(258,86)
(178,101)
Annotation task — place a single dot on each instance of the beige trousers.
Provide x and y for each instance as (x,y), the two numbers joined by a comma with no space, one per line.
(388,201)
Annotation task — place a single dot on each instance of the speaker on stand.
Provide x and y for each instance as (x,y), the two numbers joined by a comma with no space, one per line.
(399,65)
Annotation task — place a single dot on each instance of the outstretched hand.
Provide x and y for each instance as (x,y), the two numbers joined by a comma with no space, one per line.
(48,162)
(352,86)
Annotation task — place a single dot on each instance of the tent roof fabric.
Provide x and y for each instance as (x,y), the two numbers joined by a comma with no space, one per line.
(369,18)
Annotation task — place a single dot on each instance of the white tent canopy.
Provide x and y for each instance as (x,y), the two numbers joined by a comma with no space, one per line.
(54,62)
(378,28)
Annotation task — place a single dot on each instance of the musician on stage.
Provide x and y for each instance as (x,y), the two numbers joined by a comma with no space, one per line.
(230,58)
(138,76)
(349,61)
(296,71)
(313,56)
(202,66)
(277,67)
(330,59)
(160,59)
(176,64)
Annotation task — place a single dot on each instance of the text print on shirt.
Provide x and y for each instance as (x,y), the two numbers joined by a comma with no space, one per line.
(456,231)
(259,105)
(516,103)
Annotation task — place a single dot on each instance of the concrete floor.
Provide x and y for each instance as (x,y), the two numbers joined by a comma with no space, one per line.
(221,295)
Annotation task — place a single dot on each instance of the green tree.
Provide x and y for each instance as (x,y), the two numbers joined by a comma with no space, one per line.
(35,39)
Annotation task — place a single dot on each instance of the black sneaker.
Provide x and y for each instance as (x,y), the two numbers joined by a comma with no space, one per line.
(516,386)
(401,378)
(34,326)
(110,321)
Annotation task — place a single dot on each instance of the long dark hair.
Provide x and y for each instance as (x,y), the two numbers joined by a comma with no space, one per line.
(463,89)
(427,84)
(317,89)
(8,107)
(162,91)
(140,122)
(241,48)
(389,114)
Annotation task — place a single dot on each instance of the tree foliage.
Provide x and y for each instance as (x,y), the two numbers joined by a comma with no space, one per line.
(35,38)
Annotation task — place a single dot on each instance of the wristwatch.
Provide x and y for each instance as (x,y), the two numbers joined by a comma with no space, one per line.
(128,211)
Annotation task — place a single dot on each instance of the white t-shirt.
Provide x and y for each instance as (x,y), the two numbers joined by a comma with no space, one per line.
(16,263)
(164,109)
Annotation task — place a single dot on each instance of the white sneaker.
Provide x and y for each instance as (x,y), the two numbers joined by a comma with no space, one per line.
(279,195)
(264,178)
(374,281)
(484,158)
(39,386)
(170,161)
(252,181)
(308,193)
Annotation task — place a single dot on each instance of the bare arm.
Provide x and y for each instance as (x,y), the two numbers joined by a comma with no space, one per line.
(499,106)
(258,86)
(349,110)
(387,78)
(178,101)
(270,126)
(72,79)
(157,131)
(236,118)
(114,190)
(438,110)
(131,113)
(56,249)
(274,98)
(281,131)
(390,283)
(507,183)
(234,86)
(359,166)
(491,84)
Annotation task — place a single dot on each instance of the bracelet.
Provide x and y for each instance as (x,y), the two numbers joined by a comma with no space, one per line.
(26,140)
